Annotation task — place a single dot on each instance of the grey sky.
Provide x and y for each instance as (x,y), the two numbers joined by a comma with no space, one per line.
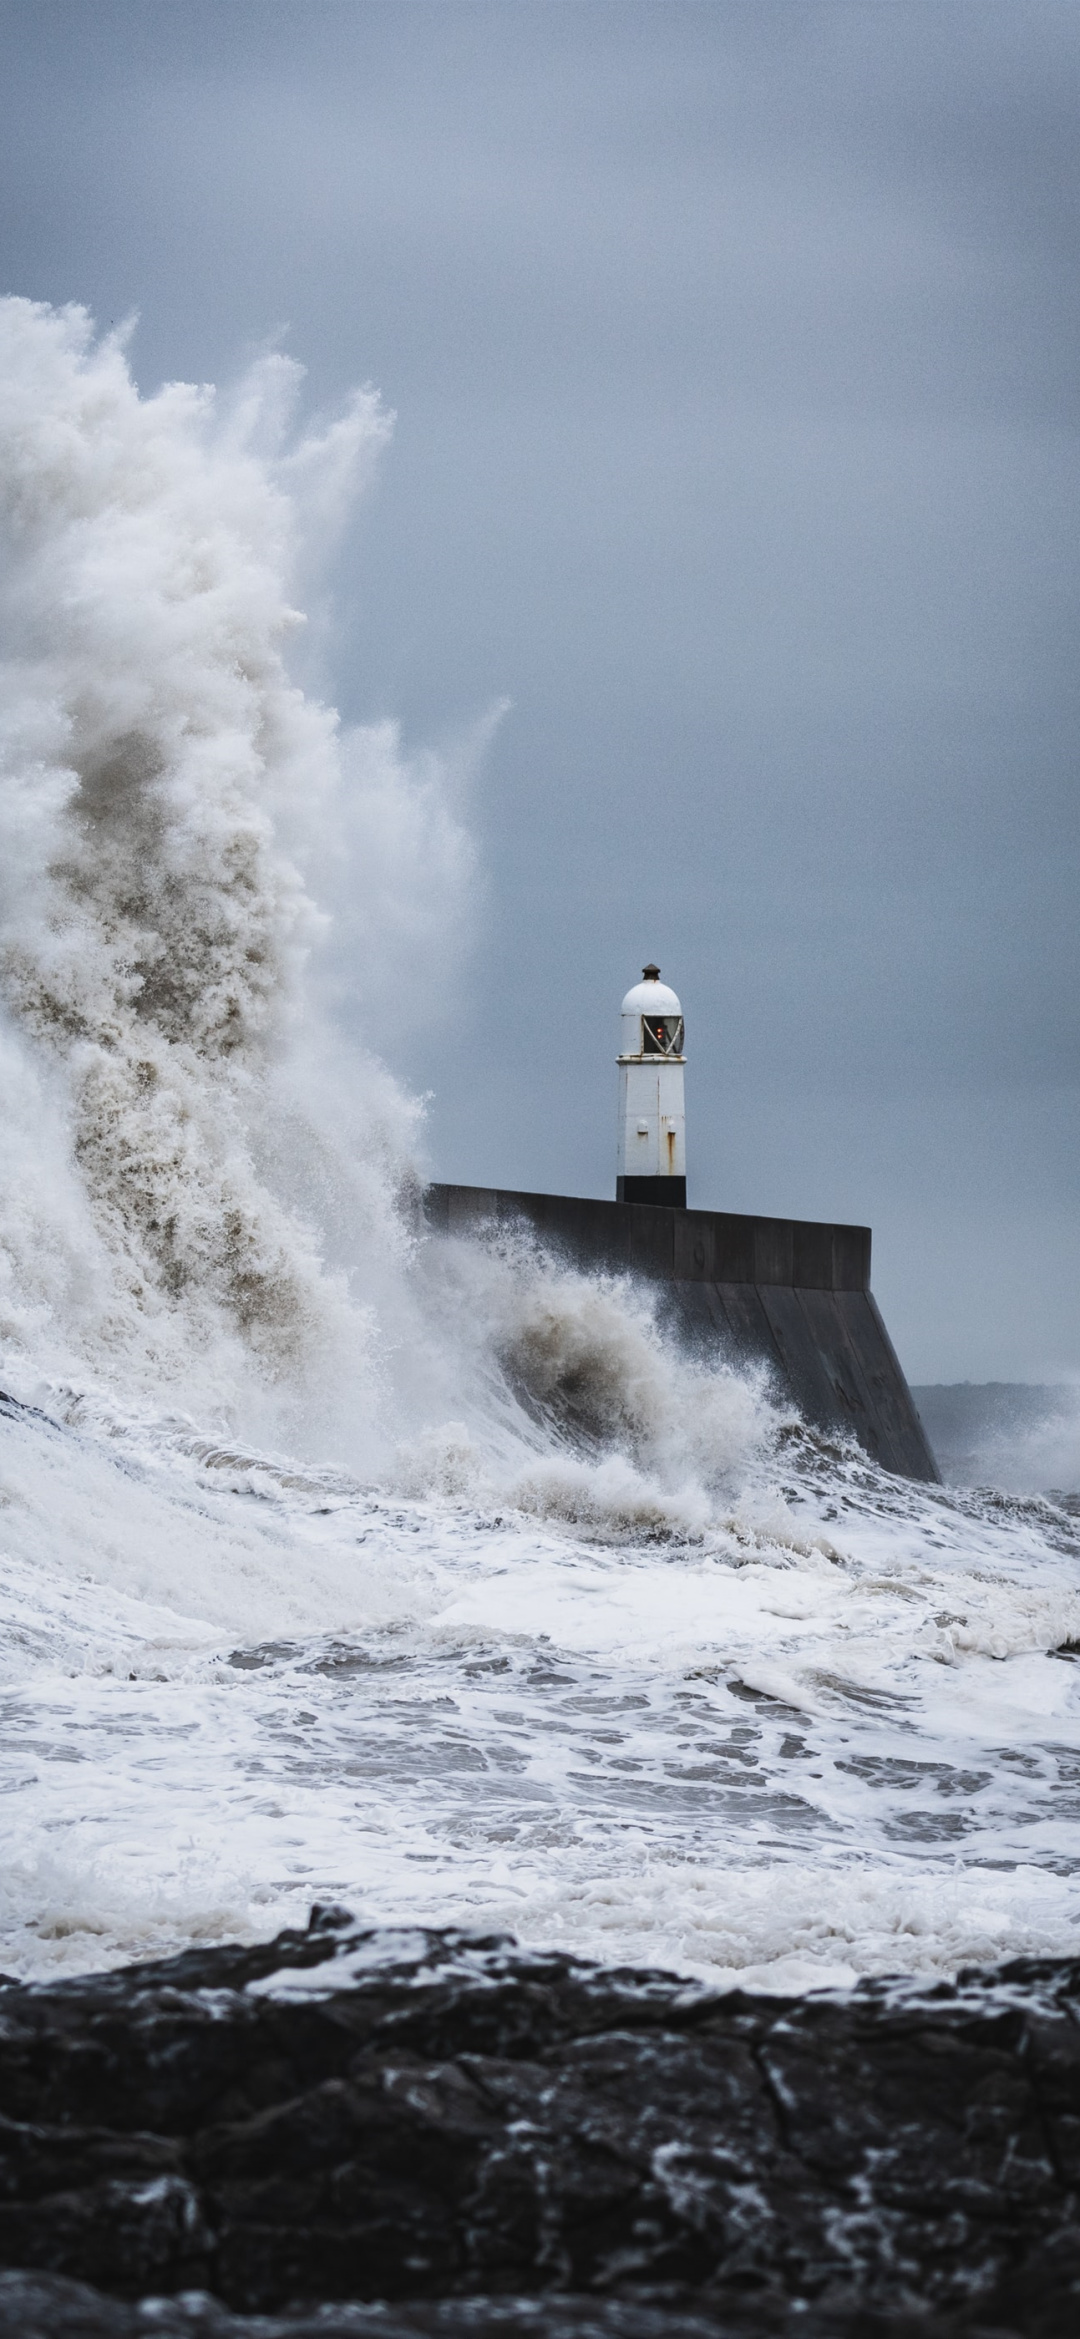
(734,352)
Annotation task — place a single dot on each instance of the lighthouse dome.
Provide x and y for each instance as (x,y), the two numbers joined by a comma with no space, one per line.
(651,997)
(652,1018)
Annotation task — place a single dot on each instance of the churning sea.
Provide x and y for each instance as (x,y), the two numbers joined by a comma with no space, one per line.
(338,1563)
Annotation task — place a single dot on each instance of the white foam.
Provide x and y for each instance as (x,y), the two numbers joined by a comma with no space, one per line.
(178,1181)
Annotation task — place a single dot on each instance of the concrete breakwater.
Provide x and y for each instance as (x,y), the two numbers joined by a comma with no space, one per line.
(790,1293)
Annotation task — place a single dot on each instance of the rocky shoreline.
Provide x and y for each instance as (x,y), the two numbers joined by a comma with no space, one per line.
(389,2133)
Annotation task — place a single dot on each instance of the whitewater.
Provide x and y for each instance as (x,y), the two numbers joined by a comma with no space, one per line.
(340,1563)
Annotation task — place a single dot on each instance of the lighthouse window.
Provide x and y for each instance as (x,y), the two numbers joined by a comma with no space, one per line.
(661,1035)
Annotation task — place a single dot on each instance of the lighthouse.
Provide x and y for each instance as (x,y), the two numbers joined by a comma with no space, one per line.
(788,1292)
(652,1114)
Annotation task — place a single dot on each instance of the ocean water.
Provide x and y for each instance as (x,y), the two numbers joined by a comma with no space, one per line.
(338,1562)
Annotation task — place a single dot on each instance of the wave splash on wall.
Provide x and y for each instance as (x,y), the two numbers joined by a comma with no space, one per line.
(166,793)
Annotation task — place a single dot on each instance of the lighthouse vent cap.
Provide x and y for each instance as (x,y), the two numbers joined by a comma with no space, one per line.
(651,996)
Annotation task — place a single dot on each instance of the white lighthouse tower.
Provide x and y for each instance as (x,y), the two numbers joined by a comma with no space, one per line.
(652,1115)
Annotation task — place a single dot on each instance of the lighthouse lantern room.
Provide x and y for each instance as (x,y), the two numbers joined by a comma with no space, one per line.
(652,1115)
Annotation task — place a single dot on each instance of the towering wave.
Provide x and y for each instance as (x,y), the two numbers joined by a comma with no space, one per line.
(162,781)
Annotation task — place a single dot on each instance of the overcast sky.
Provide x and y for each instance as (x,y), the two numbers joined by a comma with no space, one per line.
(734,349)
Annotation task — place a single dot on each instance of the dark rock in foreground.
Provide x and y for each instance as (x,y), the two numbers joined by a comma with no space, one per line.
(497,2142)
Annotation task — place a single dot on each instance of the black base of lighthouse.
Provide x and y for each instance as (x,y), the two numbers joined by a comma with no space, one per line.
(667,1193)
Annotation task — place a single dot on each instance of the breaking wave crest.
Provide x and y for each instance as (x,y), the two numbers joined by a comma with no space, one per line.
(162,781)
(580,1409)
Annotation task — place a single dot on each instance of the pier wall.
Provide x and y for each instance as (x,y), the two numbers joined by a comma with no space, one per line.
(786,1292)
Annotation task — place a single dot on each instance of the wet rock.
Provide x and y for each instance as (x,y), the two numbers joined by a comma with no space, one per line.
(487,2139)
(46,2306)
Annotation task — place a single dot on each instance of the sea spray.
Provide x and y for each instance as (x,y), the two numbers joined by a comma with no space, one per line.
(155,755)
